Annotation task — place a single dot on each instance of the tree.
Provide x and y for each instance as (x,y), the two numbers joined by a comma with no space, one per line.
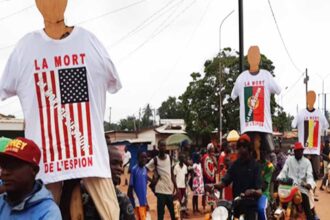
(147,121)
(128,124)
(110,127)
(281,120)
(171,109)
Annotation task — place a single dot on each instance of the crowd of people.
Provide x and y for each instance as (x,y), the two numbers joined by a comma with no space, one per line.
(233,171)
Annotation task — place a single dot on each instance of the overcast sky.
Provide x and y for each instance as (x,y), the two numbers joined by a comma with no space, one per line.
(157,44)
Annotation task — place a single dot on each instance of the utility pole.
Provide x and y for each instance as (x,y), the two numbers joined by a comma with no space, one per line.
(110,117)
(306,79)
(325,106)
(134,123)
(154,121)
(139,119)
(241,35)
(220,80)
(325,112)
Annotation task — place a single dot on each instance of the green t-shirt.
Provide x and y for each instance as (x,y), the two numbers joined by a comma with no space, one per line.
(266,175)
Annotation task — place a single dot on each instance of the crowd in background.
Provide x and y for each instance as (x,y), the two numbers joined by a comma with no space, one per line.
(231,168)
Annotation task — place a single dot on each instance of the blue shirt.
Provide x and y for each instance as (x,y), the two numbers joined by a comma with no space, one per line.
(138,181)
(39,205)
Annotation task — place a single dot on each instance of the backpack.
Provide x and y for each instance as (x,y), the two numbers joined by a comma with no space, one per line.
(155,177)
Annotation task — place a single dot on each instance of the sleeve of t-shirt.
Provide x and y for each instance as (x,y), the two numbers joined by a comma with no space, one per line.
(151,165)
(113,81)
(9,78)
(274,87)
(235,91)
(111,76)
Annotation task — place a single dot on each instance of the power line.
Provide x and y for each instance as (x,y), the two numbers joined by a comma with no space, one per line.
(282,39)
(153,35)
(16,12)
(299,78)
(144,23)
(293,84)
(167,76)
(163,24)
(112,12)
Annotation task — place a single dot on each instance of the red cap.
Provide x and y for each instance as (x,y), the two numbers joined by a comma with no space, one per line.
(244,137)
(298,146)
(23,149)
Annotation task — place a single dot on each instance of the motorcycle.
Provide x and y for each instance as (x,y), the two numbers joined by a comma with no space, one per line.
(289,201)
(225,209)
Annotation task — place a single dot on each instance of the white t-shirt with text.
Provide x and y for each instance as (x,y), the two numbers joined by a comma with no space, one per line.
(254,92)
(310,124)
(62,85)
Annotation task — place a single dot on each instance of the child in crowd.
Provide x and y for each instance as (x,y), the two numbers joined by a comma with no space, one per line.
(137,190)
(181,176)
(198,183)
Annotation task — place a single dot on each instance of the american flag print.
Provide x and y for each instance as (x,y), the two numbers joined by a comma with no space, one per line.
(64,111)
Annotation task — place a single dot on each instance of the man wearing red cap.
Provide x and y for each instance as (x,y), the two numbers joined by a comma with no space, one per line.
(24,197)
(299,169)
(245,174)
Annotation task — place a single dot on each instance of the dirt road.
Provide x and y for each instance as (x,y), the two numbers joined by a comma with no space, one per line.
(322,206)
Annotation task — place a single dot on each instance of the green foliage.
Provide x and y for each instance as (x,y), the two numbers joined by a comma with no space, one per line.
(131,123)
(147,121)
(281,120)
(128,124)
(110,127)
(171,109)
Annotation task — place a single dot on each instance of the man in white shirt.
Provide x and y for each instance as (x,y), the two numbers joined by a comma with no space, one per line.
(299,169)
(166,184)
(126,161)
(181,174)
